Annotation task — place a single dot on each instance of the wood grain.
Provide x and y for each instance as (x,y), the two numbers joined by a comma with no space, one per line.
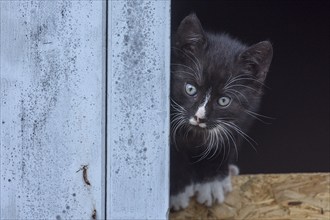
(271,196)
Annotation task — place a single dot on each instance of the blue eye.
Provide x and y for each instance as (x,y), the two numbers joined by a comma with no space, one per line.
(190,89)
(224,101)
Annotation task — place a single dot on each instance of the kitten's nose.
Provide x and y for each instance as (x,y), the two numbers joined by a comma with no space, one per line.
(199,120)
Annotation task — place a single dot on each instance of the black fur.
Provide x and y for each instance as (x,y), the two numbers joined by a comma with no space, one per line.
(221,58)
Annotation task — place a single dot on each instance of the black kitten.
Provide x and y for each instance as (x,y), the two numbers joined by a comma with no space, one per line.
(216,87)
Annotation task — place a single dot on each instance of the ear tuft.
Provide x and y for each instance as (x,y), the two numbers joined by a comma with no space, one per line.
(257,58)
(190,34)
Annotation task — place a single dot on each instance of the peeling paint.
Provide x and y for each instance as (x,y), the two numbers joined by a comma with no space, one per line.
(94,214)
(84,169)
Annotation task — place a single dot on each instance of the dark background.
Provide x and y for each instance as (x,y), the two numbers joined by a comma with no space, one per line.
(298,139)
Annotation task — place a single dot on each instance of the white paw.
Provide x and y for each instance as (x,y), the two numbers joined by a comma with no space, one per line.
(181,200)
(209,192)
(226,184)
(213,192)
(204,195)
(233,170)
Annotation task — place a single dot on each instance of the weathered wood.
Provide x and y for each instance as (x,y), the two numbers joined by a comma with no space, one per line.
(138,130)
(52,74)
(262,197)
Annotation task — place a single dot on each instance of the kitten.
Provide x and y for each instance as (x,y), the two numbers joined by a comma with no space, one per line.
(216,88)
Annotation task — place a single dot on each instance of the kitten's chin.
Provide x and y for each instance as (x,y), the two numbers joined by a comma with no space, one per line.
(202,125)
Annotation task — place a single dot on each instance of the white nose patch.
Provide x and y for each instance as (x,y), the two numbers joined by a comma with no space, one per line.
(201,109)
(201,112)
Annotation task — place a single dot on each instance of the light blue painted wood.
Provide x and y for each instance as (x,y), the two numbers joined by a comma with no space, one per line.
(138,109)
(51,66)
(52,109)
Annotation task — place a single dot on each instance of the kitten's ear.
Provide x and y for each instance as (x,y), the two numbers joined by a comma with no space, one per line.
(190,35)
(257,58)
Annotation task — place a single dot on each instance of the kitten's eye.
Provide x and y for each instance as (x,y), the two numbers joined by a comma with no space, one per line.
(224,101)
(190,89)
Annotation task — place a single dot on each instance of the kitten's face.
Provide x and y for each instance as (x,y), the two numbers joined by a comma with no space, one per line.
(216,82)
(206,96)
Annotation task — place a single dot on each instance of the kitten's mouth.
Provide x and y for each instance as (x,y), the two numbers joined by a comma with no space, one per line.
(197,123)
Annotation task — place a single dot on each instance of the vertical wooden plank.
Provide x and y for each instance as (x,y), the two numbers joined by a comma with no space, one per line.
(51,69)
(138,109)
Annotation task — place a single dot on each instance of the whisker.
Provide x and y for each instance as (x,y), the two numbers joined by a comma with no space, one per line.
(234,94)
(228,141)
(194,73)
(232,139)
(244,77)
(229,137)
(188,129)
(177,106)
(214,143)
(242,134)
(208,144)
(260,115)
(257,118)
(224,156)
(229,79)
(195,60)
(241,85)
(184,66)
(186,72)
(178,120)
(174,129)
(241,94)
